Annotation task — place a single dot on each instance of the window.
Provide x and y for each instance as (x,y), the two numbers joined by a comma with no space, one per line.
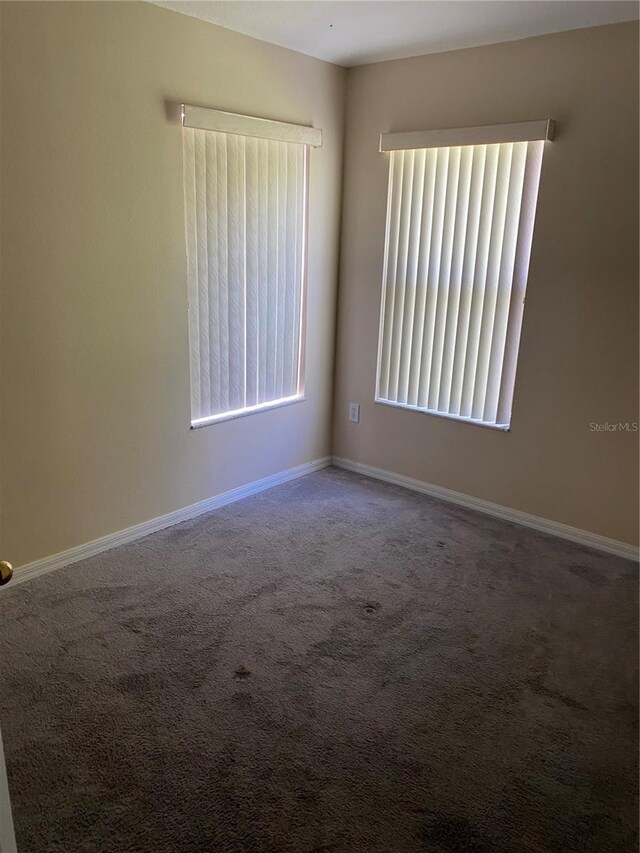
(460,212)
(245,182)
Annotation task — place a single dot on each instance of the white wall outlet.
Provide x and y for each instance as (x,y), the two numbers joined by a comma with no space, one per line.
(354,412)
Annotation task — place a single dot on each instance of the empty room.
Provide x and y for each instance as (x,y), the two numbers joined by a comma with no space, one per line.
(319,344)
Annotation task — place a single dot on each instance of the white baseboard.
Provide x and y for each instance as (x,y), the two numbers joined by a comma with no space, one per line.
(138,531)
(554,528)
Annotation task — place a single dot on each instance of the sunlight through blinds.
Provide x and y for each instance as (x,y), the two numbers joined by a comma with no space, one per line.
(245,200)
(458,240)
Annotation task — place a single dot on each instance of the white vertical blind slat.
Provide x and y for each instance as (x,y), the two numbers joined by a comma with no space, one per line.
(413,255)
(505,280)
(297,342)
(433,275)
(252,271)
(273,168)
(442,300)
(219,273)
(467,275)
(531,183)
(281,249)
(401,272)
(263,271)
(236,265)
(491,284)
(424,249)
(391,262)
(479,278)
(202,237)
(290,326)
(192,270)
(455,278)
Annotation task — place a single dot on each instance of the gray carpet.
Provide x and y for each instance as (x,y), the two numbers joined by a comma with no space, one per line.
(334,665)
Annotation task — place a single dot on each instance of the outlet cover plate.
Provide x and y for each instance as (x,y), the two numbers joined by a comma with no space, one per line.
(354,413)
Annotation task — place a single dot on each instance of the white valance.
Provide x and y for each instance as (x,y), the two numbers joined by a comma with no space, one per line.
(523,131)
(262,128)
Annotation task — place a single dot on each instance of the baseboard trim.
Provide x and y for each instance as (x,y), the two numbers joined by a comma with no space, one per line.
(544,525)
(138,531)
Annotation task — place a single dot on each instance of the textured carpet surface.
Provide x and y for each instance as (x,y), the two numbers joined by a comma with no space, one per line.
(333,665)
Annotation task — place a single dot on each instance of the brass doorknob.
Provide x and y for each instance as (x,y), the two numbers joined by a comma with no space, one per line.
(6,572)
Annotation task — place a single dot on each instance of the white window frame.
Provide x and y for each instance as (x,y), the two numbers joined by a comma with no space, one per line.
(397,280)
(240,125)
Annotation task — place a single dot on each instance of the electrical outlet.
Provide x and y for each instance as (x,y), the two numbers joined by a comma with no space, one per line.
(354,412)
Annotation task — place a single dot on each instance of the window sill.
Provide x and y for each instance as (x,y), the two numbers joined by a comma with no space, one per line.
(458,418)
(250,410)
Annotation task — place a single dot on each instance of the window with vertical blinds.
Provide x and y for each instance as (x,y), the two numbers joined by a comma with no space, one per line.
(458,240)
(245,203)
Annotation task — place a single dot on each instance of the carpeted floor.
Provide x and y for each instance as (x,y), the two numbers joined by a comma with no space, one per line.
(334,665)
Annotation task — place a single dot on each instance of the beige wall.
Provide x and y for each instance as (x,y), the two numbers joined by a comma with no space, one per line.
(93,339)
(579,349)
(94,373)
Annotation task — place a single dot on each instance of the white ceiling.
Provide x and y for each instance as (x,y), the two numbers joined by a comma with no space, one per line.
(354,32)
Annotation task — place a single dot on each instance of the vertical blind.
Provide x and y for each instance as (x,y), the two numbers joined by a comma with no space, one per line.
(245,200)
(458,239)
